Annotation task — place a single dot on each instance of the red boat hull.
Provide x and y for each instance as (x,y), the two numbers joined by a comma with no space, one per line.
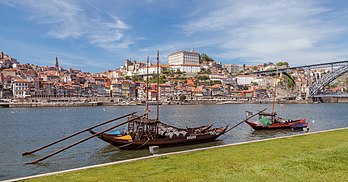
(301,123)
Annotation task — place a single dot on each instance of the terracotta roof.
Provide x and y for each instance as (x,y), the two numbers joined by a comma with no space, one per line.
(247,91)
(197,90)
(20,81)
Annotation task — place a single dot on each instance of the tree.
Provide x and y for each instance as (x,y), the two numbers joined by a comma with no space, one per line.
(136,78)
(162,79)
(288,80)
(283,64)
(182,97)
(204,57)
(166,71)
(202,77)
(205,71)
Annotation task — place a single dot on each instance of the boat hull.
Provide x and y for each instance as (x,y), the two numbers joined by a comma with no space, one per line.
(297,124)
(165,142)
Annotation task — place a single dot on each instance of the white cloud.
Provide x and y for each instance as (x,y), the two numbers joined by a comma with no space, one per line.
(267,30)
(67,19)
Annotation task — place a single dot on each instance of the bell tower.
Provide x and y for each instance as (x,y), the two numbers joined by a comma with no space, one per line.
(56,63)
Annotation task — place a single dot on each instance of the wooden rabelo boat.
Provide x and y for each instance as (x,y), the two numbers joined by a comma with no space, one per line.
(268,121)
(143,132)
(272,121)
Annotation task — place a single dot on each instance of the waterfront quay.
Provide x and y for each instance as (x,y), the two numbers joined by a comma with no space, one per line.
(319,156)
(109,101)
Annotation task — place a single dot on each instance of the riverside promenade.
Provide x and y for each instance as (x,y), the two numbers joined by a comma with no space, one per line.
(317,156)
(109,101)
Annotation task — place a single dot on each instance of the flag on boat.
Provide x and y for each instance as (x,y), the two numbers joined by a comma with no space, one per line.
(147,110)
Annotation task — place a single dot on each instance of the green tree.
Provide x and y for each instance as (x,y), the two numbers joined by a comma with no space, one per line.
(162,79)
(204,71)
(182,97)
(166,72)
(136,78)
(202,77)
(283,64)
(288,80)
(204,57)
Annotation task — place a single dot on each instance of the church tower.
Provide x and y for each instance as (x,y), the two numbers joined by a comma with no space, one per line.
(57,64)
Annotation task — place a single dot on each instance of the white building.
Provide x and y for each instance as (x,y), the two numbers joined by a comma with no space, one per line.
(245,79)
(184,61)
(152,69)
(233,68)
(20,88)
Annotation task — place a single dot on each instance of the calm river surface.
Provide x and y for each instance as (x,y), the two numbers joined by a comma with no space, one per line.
(23,129)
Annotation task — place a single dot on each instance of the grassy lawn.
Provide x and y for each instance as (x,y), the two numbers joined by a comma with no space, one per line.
(316,157)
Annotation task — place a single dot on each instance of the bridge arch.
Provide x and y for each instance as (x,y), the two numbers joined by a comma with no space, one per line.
(321,83)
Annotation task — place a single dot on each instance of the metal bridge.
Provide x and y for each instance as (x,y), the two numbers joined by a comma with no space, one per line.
(305,67)
(321,83)
(314,89)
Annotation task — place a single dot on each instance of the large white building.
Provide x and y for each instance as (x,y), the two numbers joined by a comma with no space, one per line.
(184,61)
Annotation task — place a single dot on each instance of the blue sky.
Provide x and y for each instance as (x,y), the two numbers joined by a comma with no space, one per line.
(95,35)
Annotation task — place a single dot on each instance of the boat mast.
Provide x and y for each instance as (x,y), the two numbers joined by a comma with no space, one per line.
(157,96)
(147,89)
(274,92)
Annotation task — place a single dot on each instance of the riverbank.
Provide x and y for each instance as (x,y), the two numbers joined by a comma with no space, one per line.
(114,101)
(314,157)
(78,102)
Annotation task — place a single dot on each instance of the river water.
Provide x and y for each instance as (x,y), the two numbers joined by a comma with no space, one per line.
(23,129)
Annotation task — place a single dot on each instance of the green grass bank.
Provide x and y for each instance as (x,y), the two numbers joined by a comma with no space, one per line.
(315,157)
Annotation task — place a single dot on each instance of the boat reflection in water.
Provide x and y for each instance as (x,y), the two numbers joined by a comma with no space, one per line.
(262,134)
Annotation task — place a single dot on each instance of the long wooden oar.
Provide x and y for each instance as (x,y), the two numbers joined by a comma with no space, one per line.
(245,120)
(35,150)
(83,140)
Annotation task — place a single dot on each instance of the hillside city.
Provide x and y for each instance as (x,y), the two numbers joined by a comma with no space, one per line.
(188,77)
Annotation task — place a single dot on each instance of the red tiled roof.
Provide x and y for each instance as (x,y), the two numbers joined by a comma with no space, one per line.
(20,81)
